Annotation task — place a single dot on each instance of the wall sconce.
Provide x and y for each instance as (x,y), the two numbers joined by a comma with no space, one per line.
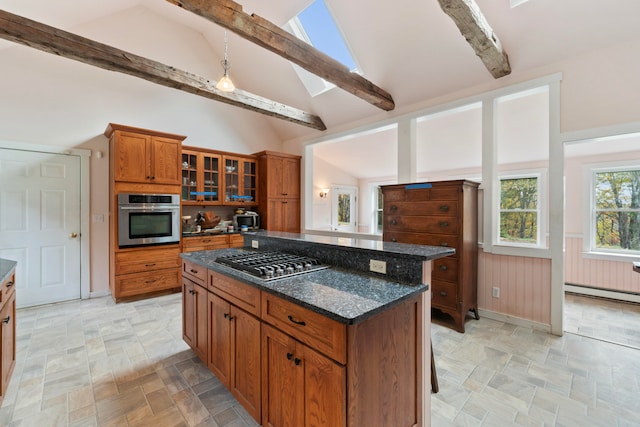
(323,193)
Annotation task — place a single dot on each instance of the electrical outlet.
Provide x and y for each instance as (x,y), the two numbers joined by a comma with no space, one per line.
(378,266)
(496,292)
(255,244)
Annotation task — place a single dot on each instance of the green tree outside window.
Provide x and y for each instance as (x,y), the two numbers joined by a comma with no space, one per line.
(617,210)
(519,212)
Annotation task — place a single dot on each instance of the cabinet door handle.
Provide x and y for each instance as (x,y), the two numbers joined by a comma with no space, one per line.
(393,208)
(443,224)
(297,322)
(297,361)
(7,320)
(150,265)
(10,284)
(289,356)
(444,208)
(226,315)
(443,294)
(394,222)
(443,267)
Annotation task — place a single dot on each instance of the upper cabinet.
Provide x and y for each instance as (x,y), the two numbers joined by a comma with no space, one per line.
(240,180)
(201,177)
(144,156)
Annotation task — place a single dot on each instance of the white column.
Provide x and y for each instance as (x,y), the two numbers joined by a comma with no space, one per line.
(407,141)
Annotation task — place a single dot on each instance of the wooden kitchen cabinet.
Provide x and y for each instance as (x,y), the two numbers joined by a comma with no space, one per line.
(290,366)
(144,156)
(7,332)
(301,386)
(234,339)
(279,178)
(145,270)
(201,177)
(194,317)
(211,242)
(443,213)
(240,181)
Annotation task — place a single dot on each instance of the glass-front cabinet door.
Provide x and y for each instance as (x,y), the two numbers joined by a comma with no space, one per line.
(200,178)
(240,181)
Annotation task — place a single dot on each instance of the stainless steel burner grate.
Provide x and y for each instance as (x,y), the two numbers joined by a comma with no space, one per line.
(271,265)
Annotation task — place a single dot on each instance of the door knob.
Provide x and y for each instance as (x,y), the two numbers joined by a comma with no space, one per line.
(73,235)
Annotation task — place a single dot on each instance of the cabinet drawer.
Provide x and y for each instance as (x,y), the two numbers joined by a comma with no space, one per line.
(140,283)
(236,241)
(445,269)
(195,272)
(444,294)
(240,294)
(8,288)
(190,244)
(443,208)
(317,331)
(146,260)
(446,240)
(421,224)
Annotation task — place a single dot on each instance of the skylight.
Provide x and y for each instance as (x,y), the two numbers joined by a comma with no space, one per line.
(315,25)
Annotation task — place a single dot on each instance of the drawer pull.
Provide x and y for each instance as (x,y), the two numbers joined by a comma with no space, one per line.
(289,356)
(194,271)
(10,284)
(443,267)
(444,244)
(297,322)
(148,282)
(297,361)
(7,320)
(393,208)
(443,224)
(394,222)
(444,208)
(393,239)
(150,265)
(443,294)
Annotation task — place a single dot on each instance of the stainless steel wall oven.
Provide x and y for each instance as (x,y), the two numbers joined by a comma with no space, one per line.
(148,219)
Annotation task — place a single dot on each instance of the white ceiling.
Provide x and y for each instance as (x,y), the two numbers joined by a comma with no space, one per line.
(409,48)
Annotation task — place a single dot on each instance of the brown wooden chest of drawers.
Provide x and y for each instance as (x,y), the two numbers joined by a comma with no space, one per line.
(442,213)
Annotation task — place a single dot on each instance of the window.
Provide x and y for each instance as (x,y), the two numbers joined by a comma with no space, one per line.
(519,213)
(315,25)
(615,216)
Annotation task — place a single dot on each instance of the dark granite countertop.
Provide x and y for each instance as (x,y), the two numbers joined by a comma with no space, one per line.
(346,296)
(5,268)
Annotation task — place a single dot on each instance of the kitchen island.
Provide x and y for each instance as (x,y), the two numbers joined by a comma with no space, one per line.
(342,346)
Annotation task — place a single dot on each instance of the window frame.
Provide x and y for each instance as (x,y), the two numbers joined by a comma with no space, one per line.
(541,208)
(589,242)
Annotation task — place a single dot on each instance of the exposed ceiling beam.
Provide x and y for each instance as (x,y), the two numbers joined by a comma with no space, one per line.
(229,14)
(52,40)
(475,28)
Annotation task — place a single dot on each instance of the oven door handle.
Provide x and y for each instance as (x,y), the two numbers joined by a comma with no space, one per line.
(150,208)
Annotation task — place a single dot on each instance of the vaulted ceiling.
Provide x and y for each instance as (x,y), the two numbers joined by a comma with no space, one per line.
(409,48)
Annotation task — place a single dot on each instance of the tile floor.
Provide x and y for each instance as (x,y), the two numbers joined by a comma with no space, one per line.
(94,363)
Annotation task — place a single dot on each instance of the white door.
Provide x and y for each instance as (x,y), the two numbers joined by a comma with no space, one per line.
(344,208)
(40,224)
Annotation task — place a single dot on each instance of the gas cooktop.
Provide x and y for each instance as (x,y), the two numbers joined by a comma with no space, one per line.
(271,265)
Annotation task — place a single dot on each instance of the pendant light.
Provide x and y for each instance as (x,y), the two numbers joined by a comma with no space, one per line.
(225,84)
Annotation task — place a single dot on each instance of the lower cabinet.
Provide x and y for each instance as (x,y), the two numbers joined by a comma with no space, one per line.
(234,352)
(293,367)
(194,317)
(7,333)
(302,387)
(211,242)
(142,271)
